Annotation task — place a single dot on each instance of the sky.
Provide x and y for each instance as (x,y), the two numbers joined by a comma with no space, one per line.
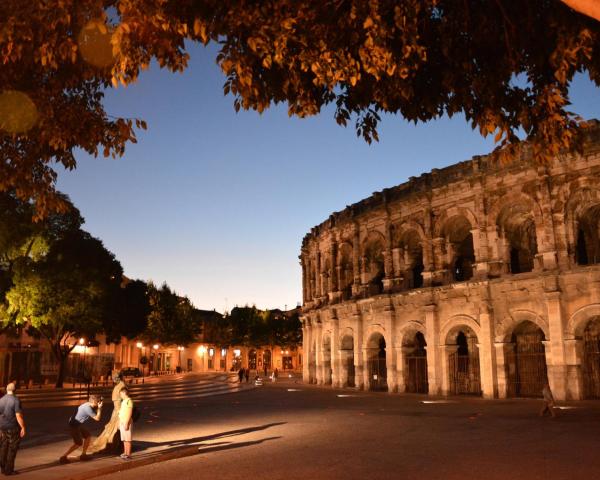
(216,203)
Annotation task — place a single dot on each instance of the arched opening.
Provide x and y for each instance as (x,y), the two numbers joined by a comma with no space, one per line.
(517,229)
(588,236)
(327,360)
(267,359)
(376,363)
(252,359)
(373,264)
(526,361)
(590,367)
(463,363)
(415,363)
(346,270)
(347,360)
(459,247)
(412,251)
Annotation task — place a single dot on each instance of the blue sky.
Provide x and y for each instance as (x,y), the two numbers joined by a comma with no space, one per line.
(217,203)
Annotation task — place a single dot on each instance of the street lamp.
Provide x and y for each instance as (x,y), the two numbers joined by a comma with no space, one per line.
(155,347)
(140,345)
(180,348)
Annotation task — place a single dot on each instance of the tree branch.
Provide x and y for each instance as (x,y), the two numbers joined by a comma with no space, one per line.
(591,8)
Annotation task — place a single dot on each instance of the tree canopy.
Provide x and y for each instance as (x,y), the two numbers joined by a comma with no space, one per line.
(505,64)
(65,293)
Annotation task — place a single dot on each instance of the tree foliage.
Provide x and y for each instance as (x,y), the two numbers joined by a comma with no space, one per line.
(505,64)
(172,319)
(64,294)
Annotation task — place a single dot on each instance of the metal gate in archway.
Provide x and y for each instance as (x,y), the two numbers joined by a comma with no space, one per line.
(351,371)
(527,372)
(465,376)
(591,366)
(377,372)
(415,367)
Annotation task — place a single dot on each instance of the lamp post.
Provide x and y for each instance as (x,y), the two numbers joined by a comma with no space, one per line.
(180,349)
(155,347)
(140,345)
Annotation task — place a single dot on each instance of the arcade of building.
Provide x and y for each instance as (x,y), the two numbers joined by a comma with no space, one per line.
(481,278)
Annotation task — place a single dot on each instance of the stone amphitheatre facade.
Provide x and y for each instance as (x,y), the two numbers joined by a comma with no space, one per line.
(481,278)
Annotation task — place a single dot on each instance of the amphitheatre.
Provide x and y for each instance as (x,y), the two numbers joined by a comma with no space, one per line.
(482,278)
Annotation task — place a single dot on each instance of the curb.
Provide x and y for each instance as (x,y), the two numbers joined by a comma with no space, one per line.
(131,464)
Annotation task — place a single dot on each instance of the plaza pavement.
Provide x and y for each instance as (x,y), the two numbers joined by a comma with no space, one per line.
(290,430)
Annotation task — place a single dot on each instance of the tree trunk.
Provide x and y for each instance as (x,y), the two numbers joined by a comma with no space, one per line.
(61,372)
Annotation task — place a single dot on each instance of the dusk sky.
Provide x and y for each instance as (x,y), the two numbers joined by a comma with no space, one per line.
(217,203)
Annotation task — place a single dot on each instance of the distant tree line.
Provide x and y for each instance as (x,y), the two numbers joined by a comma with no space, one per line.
(61,283)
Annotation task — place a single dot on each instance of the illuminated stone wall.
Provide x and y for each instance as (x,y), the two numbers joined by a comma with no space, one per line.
(482,277)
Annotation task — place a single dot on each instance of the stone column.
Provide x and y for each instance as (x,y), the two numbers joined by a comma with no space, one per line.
(446,351)
(487,362)
(439,262)
(557,368)
(501,379)
(306,344)
(390,357)
(434,366)
(561,240)
(335,353)
(480,251)
(365,356)
(574,358)
(320,357)
(358,352)
(401,352)
(356,260)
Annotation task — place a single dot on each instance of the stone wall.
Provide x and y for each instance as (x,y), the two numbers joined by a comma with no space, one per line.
(496,267)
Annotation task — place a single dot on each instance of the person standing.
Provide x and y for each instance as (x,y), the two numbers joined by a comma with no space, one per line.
(126,422)
(81,437)
(12,429)
(247,375)
(241,374)
(548,405)
(108,439)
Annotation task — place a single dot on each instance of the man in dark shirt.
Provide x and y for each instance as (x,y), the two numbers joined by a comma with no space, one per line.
(12,429)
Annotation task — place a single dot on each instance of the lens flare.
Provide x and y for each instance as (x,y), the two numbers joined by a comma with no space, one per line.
(94,44)
(18,113)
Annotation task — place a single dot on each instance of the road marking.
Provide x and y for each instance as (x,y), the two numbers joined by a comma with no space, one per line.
(294,390)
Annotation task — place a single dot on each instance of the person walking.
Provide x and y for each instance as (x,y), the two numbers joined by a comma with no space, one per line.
(126,422)
(265,370)
(548,405)
(12,429)
(241,374)
(247,375)
(81,437)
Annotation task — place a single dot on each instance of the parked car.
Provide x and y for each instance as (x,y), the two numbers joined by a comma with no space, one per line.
(131,372)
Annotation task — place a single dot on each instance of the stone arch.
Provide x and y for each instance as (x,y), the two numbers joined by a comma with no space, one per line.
(518,316)
(410,328)
(454,211)
(372,329)
(453,325)
(373,264)
(458,245)
(346,268)
(525,360)
(461,335)
(578,321)
(411,257)
(375,346)
(582,220)
(348,372)
(414,358)
(519,222)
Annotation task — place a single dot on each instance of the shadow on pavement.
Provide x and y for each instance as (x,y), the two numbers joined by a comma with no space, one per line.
(187,446)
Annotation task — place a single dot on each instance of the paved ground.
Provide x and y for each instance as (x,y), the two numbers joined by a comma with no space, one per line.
(296,431)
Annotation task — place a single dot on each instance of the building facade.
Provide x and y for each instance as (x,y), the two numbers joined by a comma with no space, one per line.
(481,278)
(29,360)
